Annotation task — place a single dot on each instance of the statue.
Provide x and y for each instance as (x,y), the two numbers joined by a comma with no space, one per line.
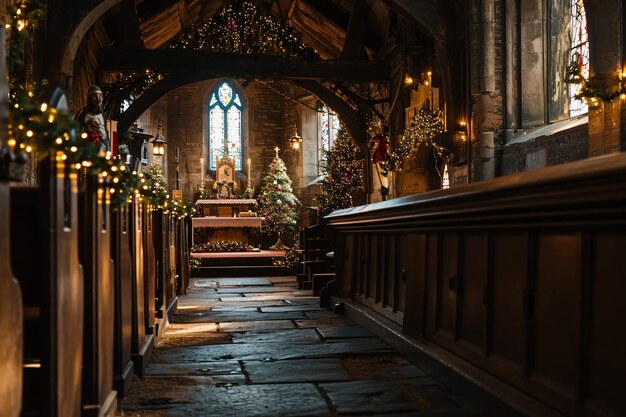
(92,119)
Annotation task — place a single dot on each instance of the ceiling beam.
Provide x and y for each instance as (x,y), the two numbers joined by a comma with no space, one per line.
(356,30)
(233,65)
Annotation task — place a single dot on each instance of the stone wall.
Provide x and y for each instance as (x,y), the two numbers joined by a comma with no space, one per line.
(268,121)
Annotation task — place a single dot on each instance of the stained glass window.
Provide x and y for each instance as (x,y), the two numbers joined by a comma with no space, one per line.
(329,126)
(579,54)
(225,125)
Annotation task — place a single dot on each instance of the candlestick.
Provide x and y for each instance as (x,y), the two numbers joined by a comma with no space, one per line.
(249,179)
(202,168)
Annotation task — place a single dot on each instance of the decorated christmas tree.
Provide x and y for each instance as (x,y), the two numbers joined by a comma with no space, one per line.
(343,172)
(277,204)
(155,187)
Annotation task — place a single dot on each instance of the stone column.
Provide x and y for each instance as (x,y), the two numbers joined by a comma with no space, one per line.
(605,60)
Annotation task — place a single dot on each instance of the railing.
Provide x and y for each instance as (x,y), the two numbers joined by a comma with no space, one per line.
(523,276)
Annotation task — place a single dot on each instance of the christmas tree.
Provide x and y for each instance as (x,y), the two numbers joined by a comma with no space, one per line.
(343,173)
(277,204)
(155,187)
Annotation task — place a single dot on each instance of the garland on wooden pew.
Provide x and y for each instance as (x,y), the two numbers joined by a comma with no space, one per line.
(37,128)
(293,255)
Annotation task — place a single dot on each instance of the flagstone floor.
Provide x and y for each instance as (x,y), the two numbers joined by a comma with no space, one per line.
(261,347)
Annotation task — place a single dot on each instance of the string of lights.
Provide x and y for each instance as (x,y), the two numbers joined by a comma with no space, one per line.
(421,132)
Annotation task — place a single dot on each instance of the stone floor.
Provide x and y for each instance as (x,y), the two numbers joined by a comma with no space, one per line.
(261,347)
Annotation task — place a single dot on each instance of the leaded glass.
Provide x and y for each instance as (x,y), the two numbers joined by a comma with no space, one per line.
(225,93)
(579,54)
(335,126)
(325,128)
(225,120)
(234,135)
(216,134)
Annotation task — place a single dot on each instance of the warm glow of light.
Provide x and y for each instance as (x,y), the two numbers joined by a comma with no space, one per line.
(29,149)
(44,107)
(30,133)
(59,141)
(408,80)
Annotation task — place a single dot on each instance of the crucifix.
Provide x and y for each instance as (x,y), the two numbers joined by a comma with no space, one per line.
(277,149)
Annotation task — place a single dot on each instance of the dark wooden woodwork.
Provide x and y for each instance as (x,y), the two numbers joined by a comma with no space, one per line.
(98,397)
(521,276)
(161,247)
(11,318)
(142,343)
(44,241)
(353,42)
(121,254)
(149,270)
(212,65)
(182,255)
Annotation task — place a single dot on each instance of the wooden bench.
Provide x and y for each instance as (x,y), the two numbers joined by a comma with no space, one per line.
(94,251)
(11,319)
(44,239)
(121,254)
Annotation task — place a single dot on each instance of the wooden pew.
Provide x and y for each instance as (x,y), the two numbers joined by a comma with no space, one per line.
(44,239)
(99,398)
(521,276)
(165,268)
(182,255)
(11,319)
(121,253)
(142,343)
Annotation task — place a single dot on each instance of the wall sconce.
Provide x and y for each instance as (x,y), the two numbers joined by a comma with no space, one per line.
(461,131)
(158,143)
(296,141)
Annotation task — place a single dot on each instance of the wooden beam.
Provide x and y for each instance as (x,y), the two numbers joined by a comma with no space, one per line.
(213,65)
(356,30)
(129,34)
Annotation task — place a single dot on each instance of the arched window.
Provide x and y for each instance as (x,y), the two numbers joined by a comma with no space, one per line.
(329,126)
(225,118)
(579,54)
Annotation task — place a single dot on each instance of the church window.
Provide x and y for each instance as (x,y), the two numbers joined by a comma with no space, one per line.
(225,118)
(329,126)
(579,53)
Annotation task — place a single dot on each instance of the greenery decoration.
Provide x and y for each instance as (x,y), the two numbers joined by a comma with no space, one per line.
(343,172)
(293,256)
(154,188)
(223,246)
(241,27)
(277,204)
(23,16)
(423,128)
(591,93)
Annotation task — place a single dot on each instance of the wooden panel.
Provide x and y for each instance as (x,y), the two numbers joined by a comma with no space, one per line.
(400,291)
(390,276)
(607,362)
(432,283)
(472,288)
(139,328)
(447,280)
(372,266)
(413,282)
(149,269)
(557,309)
(120,251)
(510,271)
(11,318)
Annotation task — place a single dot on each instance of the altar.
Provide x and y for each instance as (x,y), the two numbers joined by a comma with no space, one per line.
(226,219)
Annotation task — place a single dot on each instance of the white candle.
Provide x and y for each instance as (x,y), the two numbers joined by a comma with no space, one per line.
(249,160)
(202,168)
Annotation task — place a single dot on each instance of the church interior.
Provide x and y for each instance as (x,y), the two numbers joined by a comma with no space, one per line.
(312,208)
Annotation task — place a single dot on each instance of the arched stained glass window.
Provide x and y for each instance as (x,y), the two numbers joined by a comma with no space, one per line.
(225,125)
(329,126)
(579,54)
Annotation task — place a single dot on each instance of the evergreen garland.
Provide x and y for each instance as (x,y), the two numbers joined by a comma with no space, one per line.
(223,246)
(342,168)
(423,128)
(277,204)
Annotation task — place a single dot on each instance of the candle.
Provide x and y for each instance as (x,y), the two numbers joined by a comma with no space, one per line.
(249,160)
(202,168)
